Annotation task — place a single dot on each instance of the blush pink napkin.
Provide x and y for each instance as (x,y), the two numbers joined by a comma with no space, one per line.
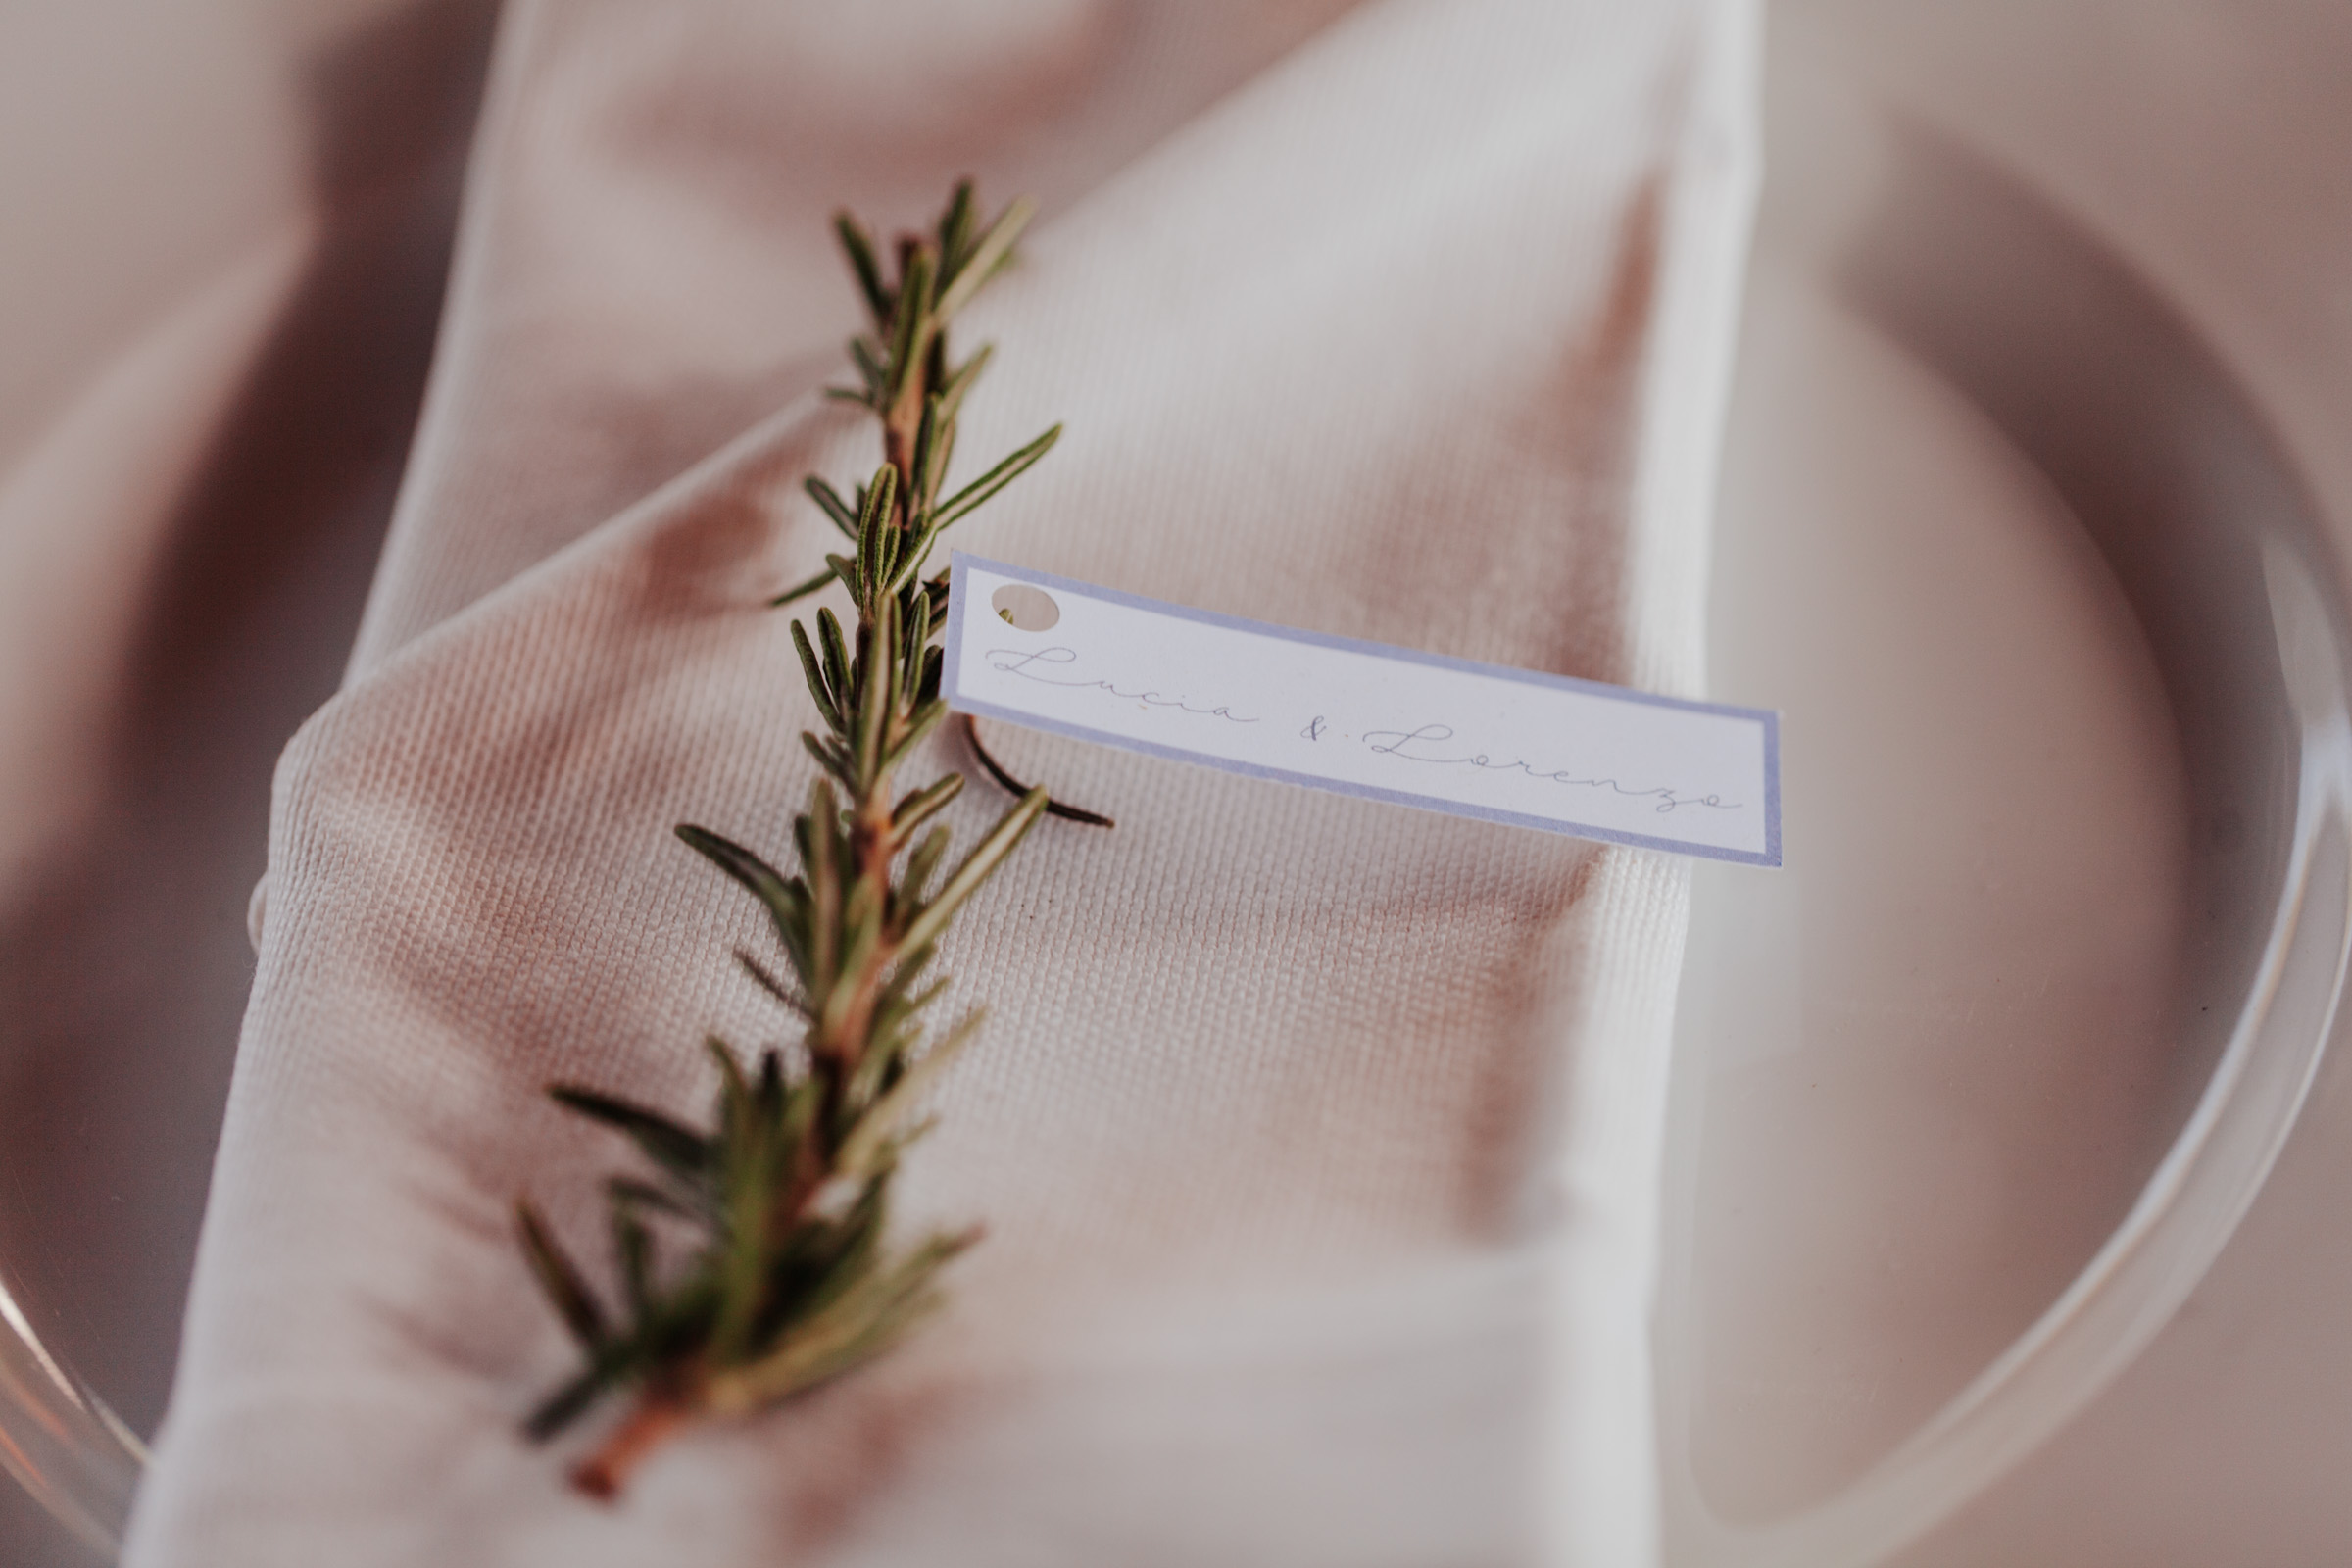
(1315,1138)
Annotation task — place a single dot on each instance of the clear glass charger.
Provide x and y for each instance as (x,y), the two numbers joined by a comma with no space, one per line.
(1970,1097)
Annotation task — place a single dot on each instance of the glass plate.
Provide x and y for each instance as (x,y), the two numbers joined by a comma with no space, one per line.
(1970,1097)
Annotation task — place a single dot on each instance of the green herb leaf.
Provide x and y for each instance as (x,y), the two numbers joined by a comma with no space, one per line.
(802,590)
(976,868)
(829,499)
(559,1278)
(861,252)
(990,256)
(969,498)
(668,1144)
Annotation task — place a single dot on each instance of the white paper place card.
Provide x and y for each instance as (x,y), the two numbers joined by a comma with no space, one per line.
(1503,745)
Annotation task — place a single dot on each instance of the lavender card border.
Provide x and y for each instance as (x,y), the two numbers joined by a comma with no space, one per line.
(1768,720)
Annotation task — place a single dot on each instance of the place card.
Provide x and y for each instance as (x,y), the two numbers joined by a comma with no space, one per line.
(1396,725)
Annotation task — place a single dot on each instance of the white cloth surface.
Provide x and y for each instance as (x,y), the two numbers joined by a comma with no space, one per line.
(1315,1138)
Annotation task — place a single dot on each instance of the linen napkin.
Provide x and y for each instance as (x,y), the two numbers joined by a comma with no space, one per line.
(1314,1137)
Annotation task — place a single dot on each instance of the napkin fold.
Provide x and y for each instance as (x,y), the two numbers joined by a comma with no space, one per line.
(1315,1138)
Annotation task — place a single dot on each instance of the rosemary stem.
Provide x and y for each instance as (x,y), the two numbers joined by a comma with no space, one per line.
(795,1281)
(650,1422)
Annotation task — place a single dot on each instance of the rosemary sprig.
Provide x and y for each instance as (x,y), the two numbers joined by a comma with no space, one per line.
(790,1281)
